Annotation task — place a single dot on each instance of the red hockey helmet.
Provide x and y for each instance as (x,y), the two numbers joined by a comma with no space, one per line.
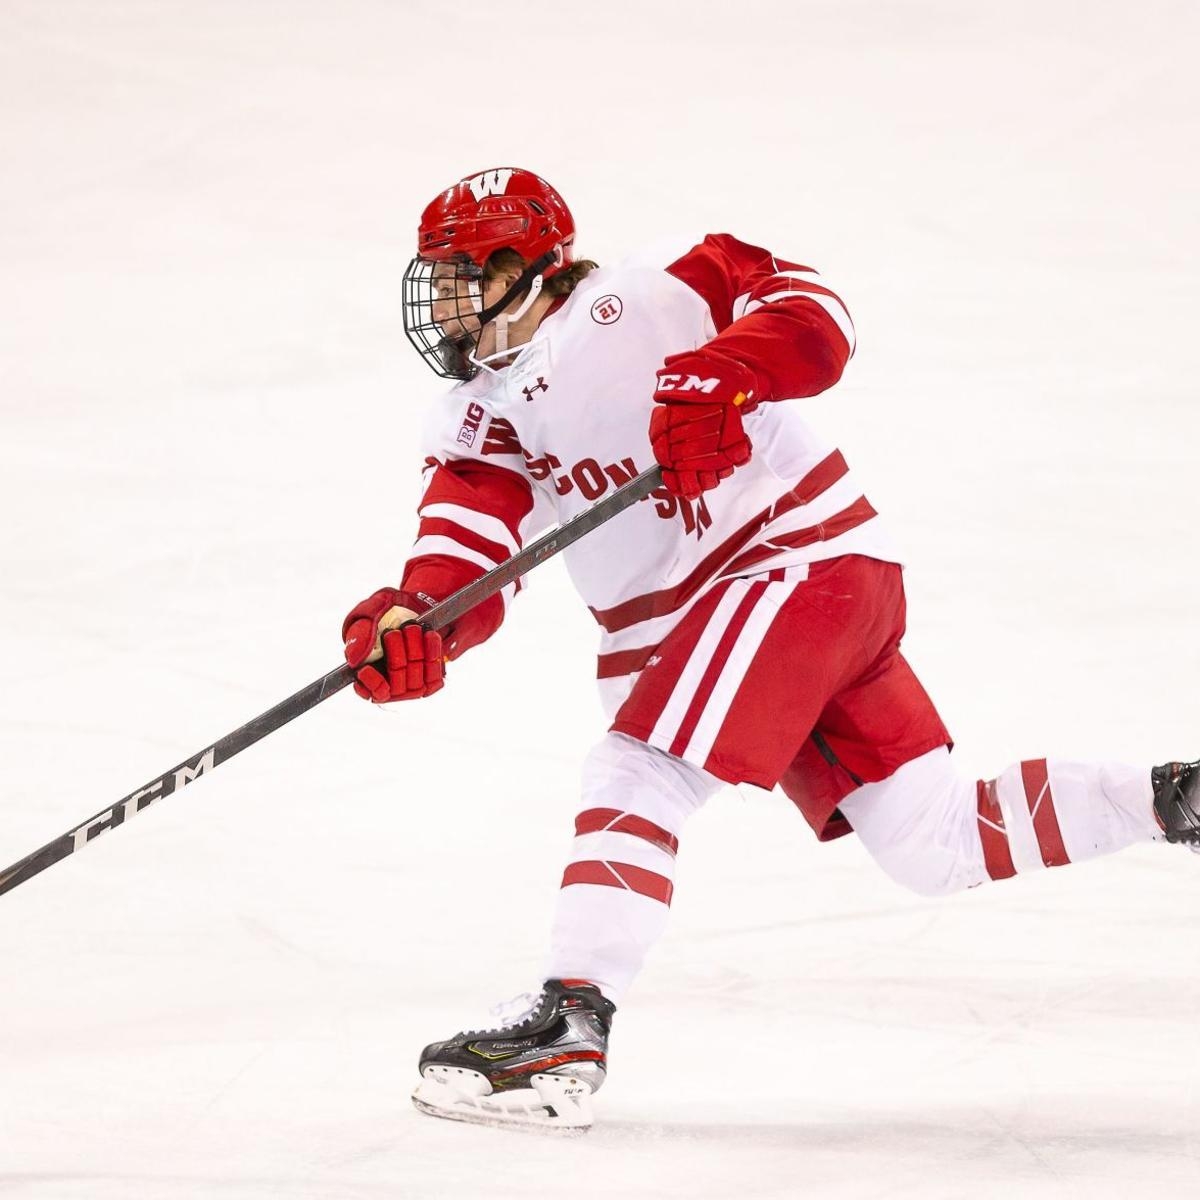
(504,206)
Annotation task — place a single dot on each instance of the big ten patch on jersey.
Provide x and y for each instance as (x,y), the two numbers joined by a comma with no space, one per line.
(472,420)
(485,433)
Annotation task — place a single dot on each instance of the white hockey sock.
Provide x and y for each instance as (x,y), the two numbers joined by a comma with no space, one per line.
(616,889)
(1046,812)
(936,832)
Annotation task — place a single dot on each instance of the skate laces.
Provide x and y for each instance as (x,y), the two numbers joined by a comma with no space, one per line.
(509,1013)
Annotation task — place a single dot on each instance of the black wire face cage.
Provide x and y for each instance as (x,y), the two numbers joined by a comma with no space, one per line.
(453,290)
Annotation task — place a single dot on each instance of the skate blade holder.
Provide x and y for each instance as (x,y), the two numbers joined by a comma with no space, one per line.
(553,1104)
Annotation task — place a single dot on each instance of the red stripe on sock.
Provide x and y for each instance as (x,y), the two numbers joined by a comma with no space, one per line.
(620,875)
(997,856)
(1036,777)
(612,820)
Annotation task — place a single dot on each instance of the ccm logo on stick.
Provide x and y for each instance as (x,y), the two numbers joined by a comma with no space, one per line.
(688,383)
(132,805)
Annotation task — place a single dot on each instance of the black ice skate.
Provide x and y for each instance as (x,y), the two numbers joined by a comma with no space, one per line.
(1177,801)
(538,1070)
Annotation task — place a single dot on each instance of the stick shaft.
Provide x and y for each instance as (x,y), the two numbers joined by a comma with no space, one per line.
(441,615)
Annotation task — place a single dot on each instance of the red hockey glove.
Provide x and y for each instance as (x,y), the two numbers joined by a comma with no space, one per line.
(696,427)
(382,628)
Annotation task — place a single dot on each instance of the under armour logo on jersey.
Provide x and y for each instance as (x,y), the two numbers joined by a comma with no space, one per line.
(490,183)
(540,386)
(687,383)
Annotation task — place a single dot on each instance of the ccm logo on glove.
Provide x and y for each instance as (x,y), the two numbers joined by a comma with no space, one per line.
(688,383)
(696,427)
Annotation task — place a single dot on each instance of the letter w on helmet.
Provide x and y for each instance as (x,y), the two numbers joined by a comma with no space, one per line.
(490,183)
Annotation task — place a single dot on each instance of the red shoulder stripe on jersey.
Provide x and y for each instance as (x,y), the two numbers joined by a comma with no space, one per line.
(795,347)
(481,487)
(656,604)
(1035,775)
(997,856)
(467,538)
(620,875)
(477,487)
(781,289)
(787,285)
(612,820)
(721,268)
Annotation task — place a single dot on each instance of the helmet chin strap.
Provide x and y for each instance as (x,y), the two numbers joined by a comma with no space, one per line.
(530,278)
(504,320)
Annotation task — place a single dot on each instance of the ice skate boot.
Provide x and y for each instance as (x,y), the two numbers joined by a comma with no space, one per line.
(1177,801)
(537,1070)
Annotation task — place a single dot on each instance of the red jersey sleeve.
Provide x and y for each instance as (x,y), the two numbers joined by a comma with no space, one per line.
(776,317)
(470,522)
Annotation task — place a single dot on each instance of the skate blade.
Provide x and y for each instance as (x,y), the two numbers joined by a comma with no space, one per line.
(558,1104)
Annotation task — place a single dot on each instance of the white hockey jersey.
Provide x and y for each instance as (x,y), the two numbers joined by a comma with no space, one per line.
(513,451)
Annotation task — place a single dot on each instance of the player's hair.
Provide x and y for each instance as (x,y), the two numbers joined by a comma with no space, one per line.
(562,283)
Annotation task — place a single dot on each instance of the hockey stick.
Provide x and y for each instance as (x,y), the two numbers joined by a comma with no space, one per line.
(439,616)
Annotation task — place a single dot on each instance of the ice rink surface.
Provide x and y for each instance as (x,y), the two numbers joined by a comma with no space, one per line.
(208,453)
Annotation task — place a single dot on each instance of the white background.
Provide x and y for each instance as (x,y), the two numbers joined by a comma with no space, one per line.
(208,419)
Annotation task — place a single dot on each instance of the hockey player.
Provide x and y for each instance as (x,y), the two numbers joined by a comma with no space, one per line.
(750,632)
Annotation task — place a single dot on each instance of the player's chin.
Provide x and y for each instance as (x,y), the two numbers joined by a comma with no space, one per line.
(455,353)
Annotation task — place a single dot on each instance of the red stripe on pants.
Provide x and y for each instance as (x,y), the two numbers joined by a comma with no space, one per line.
(1036,777)
(612,820)
(620,875)
(997,856)
(716,665)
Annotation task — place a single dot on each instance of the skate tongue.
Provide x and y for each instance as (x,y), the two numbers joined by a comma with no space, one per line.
(511,1012)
